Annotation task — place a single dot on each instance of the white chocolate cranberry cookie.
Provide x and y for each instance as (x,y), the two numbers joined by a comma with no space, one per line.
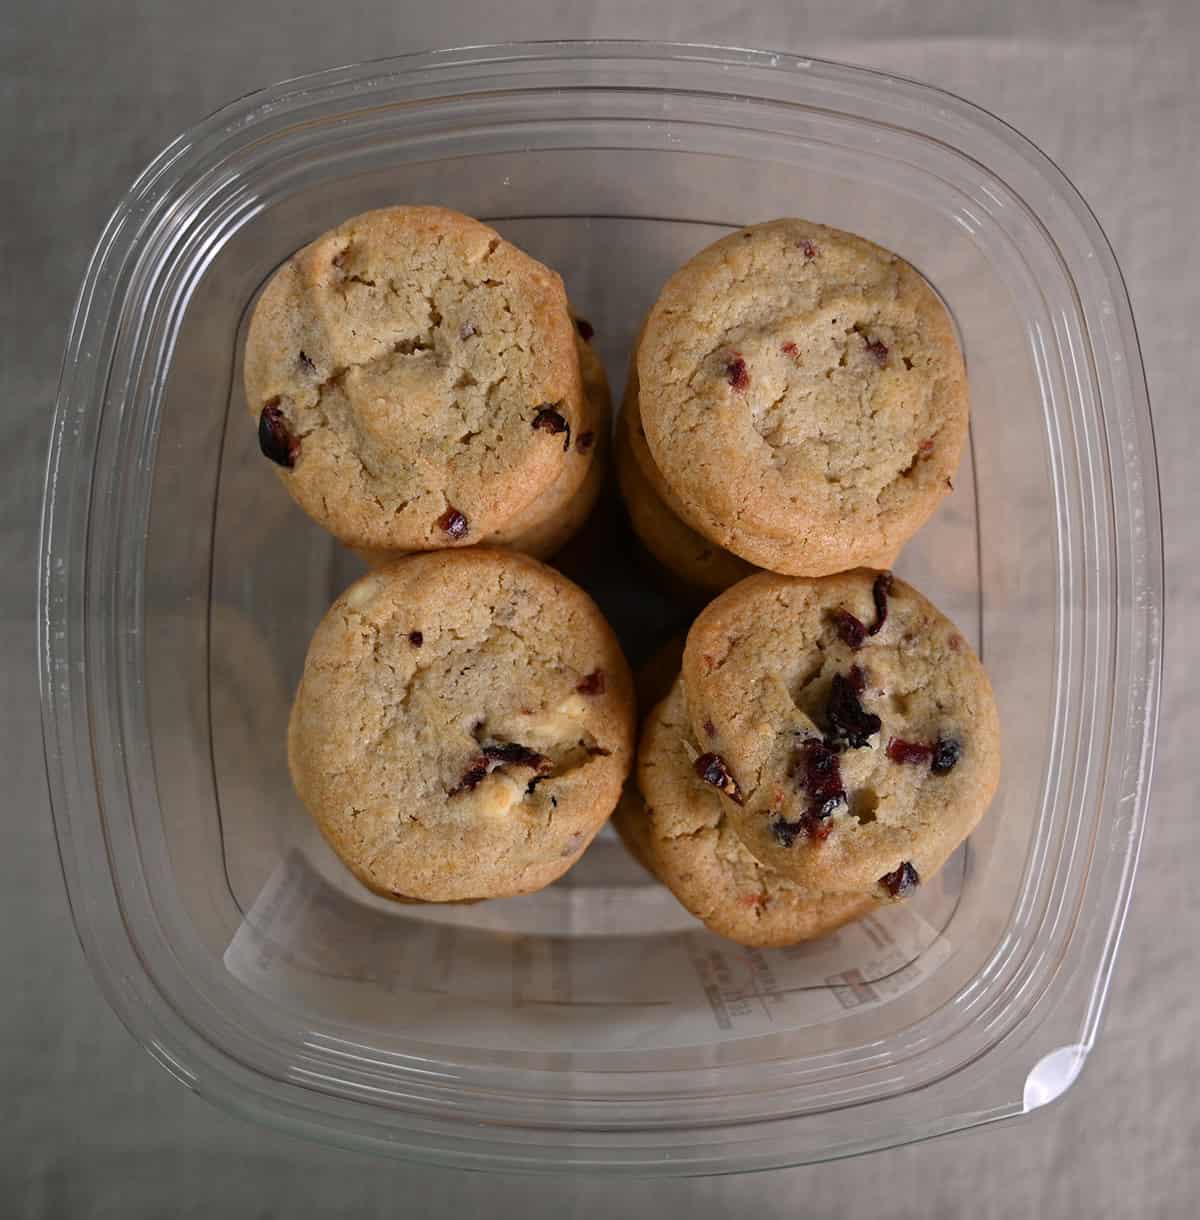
(804,397)
(463,726)
(413,376)
(848,725)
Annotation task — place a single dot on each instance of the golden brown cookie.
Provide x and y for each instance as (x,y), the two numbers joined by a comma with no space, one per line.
(848,725)
(803,396)
(463,726)
(414,377)
(680,832)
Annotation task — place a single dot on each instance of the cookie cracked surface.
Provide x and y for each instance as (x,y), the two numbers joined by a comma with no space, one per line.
(450,735)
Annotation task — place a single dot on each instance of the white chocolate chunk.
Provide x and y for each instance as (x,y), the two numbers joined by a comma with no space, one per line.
(497,794)
(362,594)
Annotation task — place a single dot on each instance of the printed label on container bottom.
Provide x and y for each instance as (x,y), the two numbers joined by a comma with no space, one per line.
(308,945)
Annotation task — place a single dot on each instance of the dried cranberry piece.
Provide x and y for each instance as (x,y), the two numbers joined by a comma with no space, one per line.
(416,639)
(817,829)
(880,591)
(475,773)
(711,769)
(901,751)
(902,882)
(453,523)
(736,372)
(593,684)
(852,630)
(505,754)
(820,776)
(511,753)
(942,756)
(789,349)
(879,351)
(850,724)
(810,250)
(584,441)
(549,420)
(585,328)
(946,753)
(274,437)
(810,826)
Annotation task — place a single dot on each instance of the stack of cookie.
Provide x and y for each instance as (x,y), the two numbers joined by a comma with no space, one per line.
(797,402)
(826,746)
(421,383)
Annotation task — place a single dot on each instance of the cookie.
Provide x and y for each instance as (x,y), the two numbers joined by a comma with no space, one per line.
(848,725)
(547,525)
(680,833)
(463,726)
(413,377)
(803,395)
(688,555)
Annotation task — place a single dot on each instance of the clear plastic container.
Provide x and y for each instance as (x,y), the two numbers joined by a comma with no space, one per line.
(593,1026)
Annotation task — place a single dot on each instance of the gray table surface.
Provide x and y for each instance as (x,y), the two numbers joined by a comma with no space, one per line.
(91,92)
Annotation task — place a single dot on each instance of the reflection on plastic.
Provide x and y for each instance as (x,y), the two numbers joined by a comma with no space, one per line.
(1053,1075)
(307,944)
